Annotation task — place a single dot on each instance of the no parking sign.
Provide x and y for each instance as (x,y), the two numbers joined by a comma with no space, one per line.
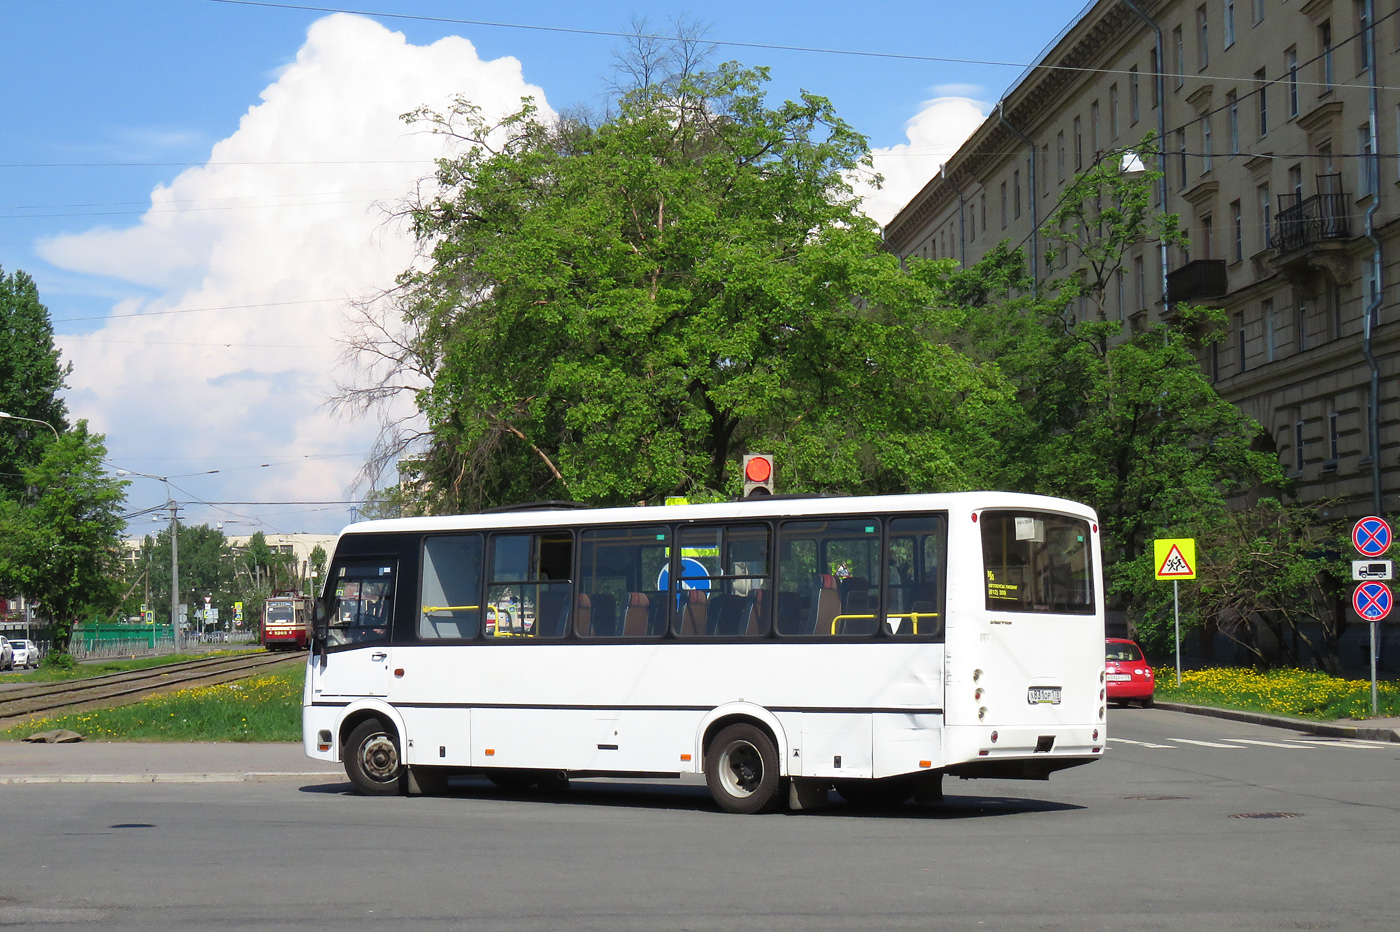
(1372,601)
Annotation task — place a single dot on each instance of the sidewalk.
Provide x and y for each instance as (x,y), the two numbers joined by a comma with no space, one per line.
(142,762)
(1373,729)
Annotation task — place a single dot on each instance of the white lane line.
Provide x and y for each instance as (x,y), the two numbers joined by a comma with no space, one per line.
(1208,744)
(1271,744)
(1143,744)
(1355,744)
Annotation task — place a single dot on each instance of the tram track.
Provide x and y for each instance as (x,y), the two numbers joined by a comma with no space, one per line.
(131,685)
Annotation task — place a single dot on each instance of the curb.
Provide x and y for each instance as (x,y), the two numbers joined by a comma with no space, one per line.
(1326,729)
(250,777)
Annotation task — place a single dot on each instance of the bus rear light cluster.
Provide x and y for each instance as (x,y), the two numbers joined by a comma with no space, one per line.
(976,675)
(1100,711)
(994,737)
(981,713)
(978,694)
(1101,695)
(1096,734)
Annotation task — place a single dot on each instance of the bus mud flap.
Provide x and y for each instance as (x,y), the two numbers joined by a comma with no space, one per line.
(806,793)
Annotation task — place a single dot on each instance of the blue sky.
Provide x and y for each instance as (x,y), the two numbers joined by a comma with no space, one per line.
(109,104)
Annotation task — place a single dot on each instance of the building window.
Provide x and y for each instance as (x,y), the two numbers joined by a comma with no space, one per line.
(972,225)
(1207,236)
(1215,361)
(1265,214)
(1134,110)
(1332,293)
(1122,310)
(1373,287)
(1181,154)
(1016,191)
(1232,104)
(982,209)
(1292,59)
(1229,23)
(1179,54)
(1060,153)
(1003,205)
(1301,325)
(1324,43)
(1203,38)
(1094,127)
(1139,283)
(1113,111)
(1258,11)
(1045,169)
(1297,446)
(1261,94)
(1363,36)
(1237,228)
(1365,166)
(1239,341)
(1078,145)
(1270,344)
(1157,76)
(1332,432)
(1206,151)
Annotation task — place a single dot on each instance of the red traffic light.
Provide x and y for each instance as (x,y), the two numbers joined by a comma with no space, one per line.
(758,469)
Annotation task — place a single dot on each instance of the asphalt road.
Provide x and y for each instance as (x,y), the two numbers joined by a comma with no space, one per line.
(1188,824)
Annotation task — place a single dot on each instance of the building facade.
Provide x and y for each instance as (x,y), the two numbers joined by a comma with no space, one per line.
(1281,126)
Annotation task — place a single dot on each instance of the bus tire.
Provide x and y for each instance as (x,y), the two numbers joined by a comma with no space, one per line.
(373,761)
(741,770)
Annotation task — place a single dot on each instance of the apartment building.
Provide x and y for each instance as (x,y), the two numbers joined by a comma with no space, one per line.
(1273,162)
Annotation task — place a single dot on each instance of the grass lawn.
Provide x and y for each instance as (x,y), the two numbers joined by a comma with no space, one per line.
(266,707)
(1297,693)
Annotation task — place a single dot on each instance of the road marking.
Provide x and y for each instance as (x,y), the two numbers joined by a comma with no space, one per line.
(1144,744)
(1356,744)
(1271,744)
(1208,744)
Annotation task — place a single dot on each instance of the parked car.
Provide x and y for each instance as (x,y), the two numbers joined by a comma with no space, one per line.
(7,655)
(1128,673)
(26,654)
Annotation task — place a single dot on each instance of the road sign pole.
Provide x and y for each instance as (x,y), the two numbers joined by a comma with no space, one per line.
(1176,612)
(1375,704)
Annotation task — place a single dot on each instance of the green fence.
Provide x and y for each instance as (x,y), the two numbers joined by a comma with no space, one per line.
(97,638)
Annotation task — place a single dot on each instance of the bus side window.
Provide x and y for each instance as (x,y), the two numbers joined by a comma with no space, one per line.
(529,592)
(915,581)
(828,577)
(450,597)
(619,577)
(724,582)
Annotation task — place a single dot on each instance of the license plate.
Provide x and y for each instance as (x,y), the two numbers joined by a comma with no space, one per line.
(1043,695)
(1118,677)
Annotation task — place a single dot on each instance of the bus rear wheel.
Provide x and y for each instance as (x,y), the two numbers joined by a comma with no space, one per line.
(372,759)
(741,770)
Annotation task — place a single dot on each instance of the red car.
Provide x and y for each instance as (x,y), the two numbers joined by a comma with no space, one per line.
(1129,676)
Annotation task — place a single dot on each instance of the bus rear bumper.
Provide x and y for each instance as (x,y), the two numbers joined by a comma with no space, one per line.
(1022,753)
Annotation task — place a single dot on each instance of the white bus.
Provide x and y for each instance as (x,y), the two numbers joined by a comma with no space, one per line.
(780,646)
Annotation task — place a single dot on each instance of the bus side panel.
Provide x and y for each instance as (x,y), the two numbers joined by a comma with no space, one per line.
(837,744)
(555,739)
(439,737)
(906,743)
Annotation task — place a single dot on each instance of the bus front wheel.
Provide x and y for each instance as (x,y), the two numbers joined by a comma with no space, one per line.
(741,770)
(372,759)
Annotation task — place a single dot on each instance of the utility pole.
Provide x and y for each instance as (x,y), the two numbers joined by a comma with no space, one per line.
(174,572)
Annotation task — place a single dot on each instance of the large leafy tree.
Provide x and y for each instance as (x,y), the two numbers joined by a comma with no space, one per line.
(614,310)
(60,542)
(207,567)
(31,376)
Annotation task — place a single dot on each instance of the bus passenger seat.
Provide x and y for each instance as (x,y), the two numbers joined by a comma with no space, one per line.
(726,614)
(634,616)
(755,623)
(583,615)
(695,614)
(604,621)
(827,604)
(551,611)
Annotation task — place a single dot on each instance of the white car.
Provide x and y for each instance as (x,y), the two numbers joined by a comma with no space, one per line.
(7,655)
(26,654)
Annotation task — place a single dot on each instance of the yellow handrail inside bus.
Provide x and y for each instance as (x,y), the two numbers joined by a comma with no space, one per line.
(914,617)
(430,609)
(841,618)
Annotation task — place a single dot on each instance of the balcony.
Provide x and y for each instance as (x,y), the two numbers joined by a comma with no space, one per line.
(1203,278)
(1304,221)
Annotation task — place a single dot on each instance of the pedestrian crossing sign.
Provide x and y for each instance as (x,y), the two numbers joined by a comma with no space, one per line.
(1175,558)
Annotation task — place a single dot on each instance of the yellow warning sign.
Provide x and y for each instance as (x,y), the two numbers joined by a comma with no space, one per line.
(1175,558)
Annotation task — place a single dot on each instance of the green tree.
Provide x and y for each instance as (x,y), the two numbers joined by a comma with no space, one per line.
(615,310)
(60,542)
(31,376)
(207,565)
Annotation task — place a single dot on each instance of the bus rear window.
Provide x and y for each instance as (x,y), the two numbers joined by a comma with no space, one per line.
(1037,562)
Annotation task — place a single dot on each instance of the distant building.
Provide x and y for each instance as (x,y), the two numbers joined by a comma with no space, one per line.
(1273,162)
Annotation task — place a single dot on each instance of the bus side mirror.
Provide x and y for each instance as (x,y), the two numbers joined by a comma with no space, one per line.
(320,624)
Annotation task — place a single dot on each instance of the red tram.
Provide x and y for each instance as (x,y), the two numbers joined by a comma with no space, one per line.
(286,622)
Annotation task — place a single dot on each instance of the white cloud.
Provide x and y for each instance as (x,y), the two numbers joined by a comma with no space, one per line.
(299,226)
(934,134)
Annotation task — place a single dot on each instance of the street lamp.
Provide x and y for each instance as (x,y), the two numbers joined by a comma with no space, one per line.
(15,417)
(174,554)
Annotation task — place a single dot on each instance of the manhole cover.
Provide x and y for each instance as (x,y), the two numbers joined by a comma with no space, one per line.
(1154,797)
(1266,815)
